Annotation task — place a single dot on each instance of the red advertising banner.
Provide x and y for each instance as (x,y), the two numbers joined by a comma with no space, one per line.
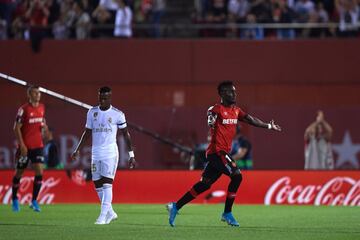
(258,187)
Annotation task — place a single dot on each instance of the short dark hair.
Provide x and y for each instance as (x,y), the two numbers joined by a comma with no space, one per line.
(105,89)
(31,87)
(224,84)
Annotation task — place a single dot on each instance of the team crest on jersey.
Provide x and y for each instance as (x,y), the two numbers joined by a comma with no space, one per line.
(95,115)
(225,113)
(109,120)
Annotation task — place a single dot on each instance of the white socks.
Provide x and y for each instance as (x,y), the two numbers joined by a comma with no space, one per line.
(99,192)
(106,198)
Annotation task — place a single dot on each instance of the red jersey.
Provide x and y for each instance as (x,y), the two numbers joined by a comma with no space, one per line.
(38,18)
(223,121)
(32,120)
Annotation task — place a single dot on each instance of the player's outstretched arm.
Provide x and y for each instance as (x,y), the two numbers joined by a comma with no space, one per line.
(84,137)
(259,123)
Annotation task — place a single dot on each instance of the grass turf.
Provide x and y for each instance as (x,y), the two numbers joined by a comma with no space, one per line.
(76,221)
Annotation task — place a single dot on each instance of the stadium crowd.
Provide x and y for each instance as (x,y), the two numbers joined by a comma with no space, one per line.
(82,19)
(234,12)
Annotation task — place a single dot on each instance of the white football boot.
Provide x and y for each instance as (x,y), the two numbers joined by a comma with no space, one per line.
(100,221)
(111,216)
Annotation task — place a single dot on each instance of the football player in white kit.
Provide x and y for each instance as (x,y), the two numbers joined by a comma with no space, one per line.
(102,124)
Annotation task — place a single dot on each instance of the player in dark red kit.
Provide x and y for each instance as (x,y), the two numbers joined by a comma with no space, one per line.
(222,120)
(28,128)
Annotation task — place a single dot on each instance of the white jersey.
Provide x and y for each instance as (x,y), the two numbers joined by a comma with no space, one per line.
(123,20)
(104,126)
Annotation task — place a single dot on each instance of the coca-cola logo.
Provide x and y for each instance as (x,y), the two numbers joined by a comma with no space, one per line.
(25,191)
(343,191)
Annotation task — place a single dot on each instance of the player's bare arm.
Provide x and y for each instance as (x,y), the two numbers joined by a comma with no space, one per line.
(127,138)
(327,130)
(310,130)
(259,123)
(19,138)
(84,137)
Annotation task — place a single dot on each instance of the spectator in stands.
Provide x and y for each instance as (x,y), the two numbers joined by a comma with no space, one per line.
(217,15)
(18,29)
(54,11)
(69,16)
(60,29)
(37,14)
(198,160)
(141,14)
(7,8)
(201,14)
(237,12)
(82,22)
(64,18)
(262,9)
(110,6)
(157,11)
(241,151)
(348,12)
(142,8)
(318,153)
(303,8)
(105,13)
(282,13)
(319,15)
(252,33)
(51,156)
(100,18)
(323,16)
(123,21)
(202,7)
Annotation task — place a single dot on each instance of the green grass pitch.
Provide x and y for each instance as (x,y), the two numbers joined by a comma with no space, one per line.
(76,221)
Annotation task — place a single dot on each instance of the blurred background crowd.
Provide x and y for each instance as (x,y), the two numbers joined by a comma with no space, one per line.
(245,19)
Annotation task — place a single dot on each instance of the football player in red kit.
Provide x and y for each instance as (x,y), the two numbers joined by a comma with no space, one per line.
(28,128)
(222,120)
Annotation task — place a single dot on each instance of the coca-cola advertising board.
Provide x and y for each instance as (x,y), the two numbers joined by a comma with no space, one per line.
(258,187)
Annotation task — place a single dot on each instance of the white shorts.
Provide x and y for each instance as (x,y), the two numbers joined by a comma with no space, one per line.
(104,168)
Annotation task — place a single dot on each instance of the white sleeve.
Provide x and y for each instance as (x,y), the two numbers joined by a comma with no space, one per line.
(89,119)
(121,122)
(128,18)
